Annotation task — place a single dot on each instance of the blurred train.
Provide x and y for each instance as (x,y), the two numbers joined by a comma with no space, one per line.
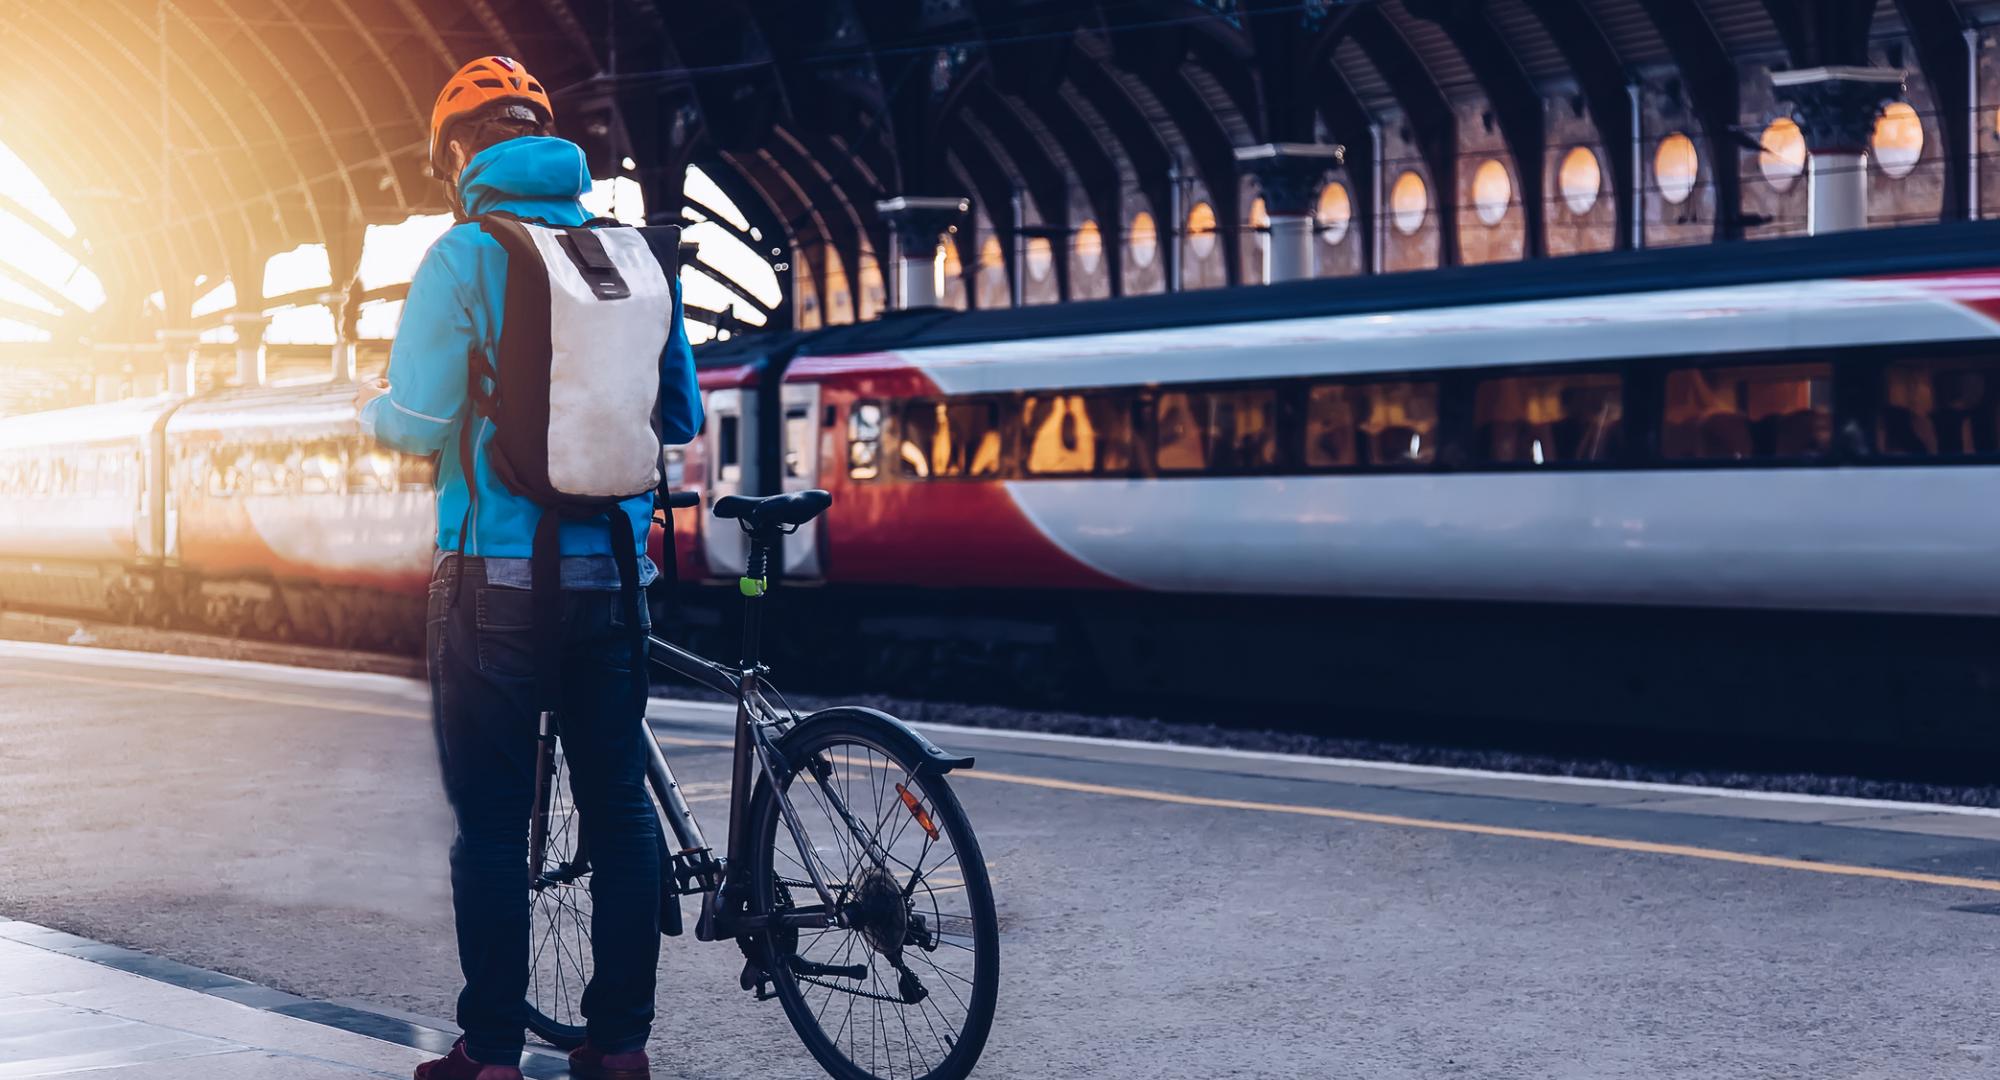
(1747,489)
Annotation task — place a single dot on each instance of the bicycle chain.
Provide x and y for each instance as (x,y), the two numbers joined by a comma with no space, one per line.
(850,990)
(812,981)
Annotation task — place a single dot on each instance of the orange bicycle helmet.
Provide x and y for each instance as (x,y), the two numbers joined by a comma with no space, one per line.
(481,82)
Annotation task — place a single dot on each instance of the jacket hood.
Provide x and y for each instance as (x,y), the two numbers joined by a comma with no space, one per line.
(530,167)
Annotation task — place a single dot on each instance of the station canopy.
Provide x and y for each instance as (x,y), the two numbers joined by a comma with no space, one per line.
(1098,149)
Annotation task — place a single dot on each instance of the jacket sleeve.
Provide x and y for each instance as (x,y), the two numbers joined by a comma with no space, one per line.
(426,362)
(680,397)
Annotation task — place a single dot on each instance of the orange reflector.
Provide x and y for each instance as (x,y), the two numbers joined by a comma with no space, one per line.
(917,811)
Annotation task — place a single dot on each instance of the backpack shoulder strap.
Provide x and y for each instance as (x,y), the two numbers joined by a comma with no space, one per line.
(665,243)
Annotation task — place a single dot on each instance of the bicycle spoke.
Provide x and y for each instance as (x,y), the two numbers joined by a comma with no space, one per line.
(887,1035)
(560,962)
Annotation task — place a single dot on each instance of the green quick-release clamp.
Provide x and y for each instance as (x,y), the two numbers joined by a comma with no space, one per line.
(752,586)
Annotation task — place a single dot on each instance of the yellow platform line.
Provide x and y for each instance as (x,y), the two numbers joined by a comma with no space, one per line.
(293,700)
(1644,847)
(1647,847)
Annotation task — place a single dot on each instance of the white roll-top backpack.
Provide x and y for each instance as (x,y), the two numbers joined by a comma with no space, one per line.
(573,390)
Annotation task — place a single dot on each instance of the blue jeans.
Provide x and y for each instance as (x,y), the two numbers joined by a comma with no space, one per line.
(482,654)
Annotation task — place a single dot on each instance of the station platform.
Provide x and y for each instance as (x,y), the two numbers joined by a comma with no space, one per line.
(1210,912)
(70,1006)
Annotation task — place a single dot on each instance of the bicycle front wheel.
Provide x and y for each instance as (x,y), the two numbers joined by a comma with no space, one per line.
(905,987)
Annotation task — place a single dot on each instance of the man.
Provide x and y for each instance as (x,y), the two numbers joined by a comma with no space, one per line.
(490,143)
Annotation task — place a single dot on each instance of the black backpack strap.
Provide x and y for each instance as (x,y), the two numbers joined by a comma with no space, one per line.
(630,596)
(480,402)
(545,603)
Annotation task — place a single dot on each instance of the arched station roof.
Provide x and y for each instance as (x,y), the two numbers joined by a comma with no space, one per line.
(196,137)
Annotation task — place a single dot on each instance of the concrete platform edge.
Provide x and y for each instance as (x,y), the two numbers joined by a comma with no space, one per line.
(402,1029)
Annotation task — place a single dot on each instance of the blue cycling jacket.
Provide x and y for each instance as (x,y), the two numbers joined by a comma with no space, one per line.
(455,302)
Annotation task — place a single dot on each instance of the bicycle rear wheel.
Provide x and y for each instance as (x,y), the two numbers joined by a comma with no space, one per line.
(907,988)
(559,962)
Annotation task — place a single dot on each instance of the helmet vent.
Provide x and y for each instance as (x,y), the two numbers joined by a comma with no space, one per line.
(490,84)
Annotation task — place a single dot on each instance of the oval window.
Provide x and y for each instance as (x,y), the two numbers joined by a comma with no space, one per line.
(1089,247)
(1899,139)
(1041,257)
(1580,179)
(1783,156)
(1409,202)
(1142,239)
(1492,190)
(1201,230)
(1675,166)
(1336,210)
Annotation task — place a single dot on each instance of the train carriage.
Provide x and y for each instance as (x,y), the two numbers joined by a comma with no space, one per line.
(1717,487)
(292,523)
(80,515)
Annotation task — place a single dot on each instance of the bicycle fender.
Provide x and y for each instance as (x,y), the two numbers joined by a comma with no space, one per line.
(933,759)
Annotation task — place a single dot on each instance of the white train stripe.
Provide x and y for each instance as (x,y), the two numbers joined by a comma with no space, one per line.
(1920,540)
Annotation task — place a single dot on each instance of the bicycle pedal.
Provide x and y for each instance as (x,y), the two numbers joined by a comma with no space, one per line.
(754,980)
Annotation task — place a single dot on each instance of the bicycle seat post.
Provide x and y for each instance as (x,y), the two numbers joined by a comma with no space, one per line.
(756,581)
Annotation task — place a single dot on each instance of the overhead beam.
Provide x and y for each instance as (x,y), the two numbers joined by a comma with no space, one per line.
(1607,90)
(1515,102)
(1938,34)
(1430,114)
(1708,77)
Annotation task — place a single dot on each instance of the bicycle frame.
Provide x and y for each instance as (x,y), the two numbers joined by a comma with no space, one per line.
(694,868)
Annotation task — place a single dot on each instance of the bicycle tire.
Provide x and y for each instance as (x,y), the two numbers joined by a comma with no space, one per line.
(858,728)
(545,1003)
(544,1026)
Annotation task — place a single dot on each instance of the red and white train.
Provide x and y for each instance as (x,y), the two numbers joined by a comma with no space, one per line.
(1750,487)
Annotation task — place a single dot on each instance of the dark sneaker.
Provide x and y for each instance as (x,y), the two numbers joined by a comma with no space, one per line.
(457,1066)
(589,1063)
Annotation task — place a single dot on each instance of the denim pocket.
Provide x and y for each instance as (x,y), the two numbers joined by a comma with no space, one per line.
(618,611)
(504,626)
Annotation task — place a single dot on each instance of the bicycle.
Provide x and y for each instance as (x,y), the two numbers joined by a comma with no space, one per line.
(885,904)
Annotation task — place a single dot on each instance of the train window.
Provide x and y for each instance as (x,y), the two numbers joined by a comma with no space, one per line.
(728,455)
(229,473)
(864,440)
(1179,431)
(1733,414)
(369,470)
(1380,424)
(1545,419)
(955,439)
(270,475)
(923,424)
(1940,407)
(975,433)
(798,439)
(1077,434)
(418,473)
(673,467)
(1242,430)
(1215,430)
(322,469)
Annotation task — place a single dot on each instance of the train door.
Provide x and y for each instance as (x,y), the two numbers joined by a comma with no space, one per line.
(728,443)
(801,456)
(147,540)
(162,505)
